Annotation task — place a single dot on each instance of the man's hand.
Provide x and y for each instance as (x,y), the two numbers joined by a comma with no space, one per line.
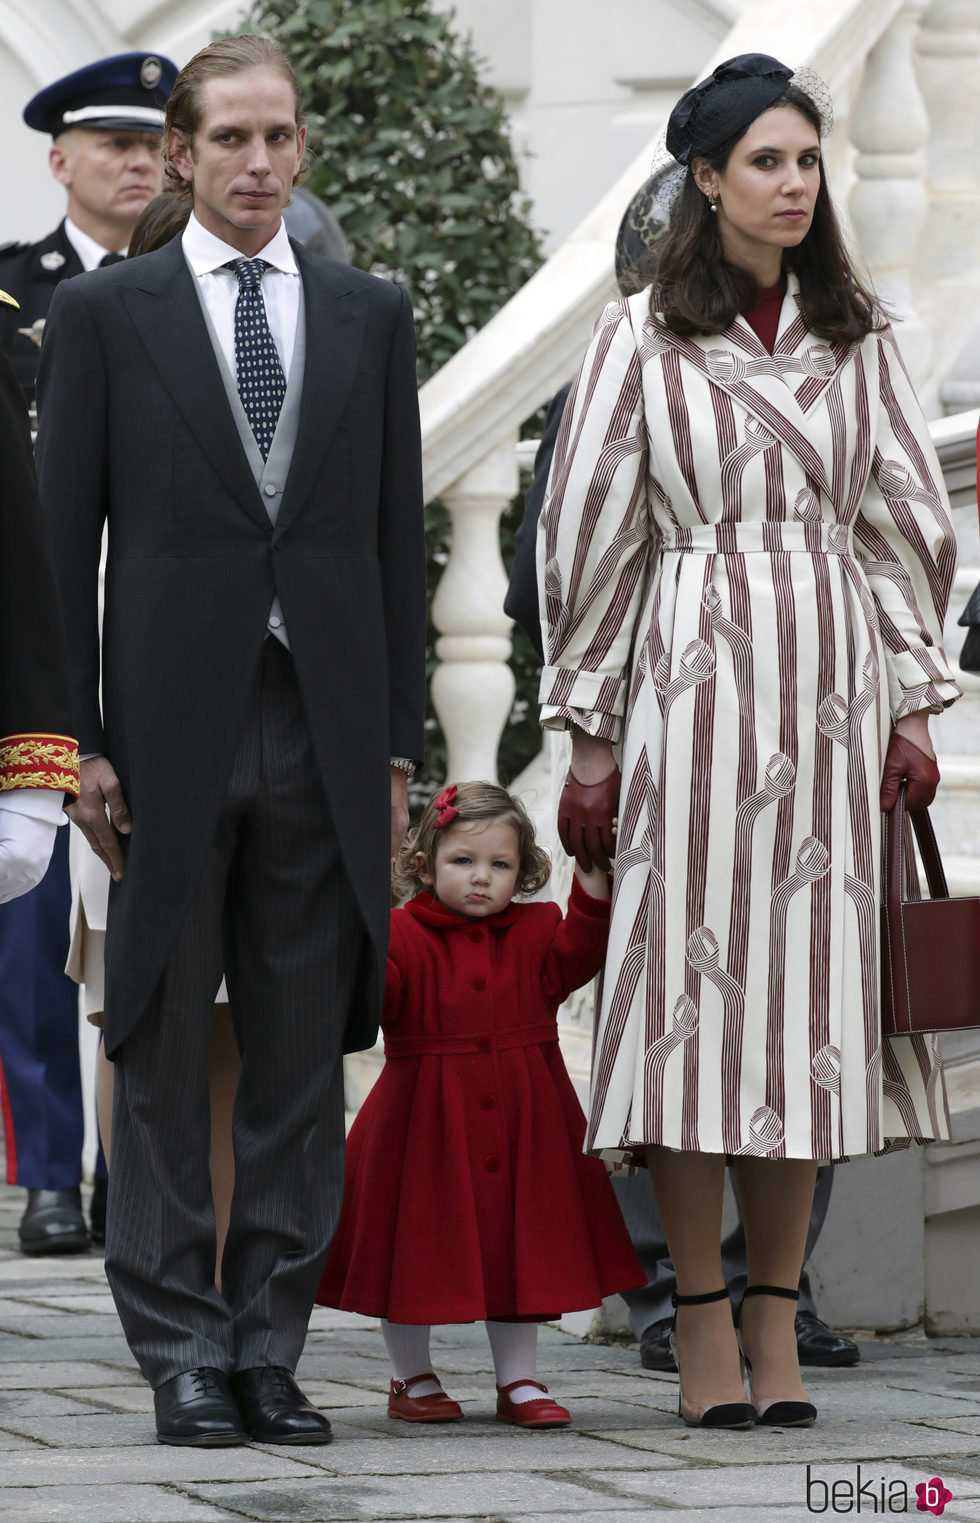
(399,810)
(99,789)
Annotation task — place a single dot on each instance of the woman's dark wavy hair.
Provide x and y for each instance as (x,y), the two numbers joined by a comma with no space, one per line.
(696,290)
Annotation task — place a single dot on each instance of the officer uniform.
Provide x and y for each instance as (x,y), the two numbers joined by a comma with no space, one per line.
(43,1114)
(30,272)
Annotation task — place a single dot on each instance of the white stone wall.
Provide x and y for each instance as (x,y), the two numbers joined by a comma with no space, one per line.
(584,82)
(40,40)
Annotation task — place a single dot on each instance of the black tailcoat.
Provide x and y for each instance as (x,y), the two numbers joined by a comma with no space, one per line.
(30,272)
(135,426)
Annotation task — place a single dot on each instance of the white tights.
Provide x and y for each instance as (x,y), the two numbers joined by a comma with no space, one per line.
(514,1346)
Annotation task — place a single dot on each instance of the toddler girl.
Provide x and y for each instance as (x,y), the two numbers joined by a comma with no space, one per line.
(467,1195)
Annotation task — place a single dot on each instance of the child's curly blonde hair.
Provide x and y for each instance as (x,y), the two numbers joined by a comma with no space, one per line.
(471,801)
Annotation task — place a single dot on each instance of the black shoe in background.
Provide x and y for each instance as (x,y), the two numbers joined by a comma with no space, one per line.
(53,1223)
(96,1211)
(816,1343)
(197,1408)
(655,1351)
(274,1409)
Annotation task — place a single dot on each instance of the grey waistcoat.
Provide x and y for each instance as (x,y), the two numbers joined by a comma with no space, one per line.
(270,475)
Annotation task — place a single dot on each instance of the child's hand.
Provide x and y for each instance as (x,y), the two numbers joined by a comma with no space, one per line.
(595,881)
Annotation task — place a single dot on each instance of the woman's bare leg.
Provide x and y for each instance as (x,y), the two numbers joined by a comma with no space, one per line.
(224,1067)
(103,1099)
(776,1196)
(689,1188)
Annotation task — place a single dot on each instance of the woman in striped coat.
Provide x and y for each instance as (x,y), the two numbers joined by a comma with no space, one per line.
(745,557)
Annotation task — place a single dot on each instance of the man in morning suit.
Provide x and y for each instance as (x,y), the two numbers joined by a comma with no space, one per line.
(262,670)
(105,122)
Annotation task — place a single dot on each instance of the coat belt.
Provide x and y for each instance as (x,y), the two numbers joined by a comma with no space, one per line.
(765,538)
(446,1046)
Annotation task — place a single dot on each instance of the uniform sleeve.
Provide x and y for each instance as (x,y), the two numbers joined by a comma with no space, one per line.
(594,537)
(578,950)
(37,749)
(907,544)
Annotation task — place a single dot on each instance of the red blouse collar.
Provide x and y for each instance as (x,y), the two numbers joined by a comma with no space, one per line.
(428,909)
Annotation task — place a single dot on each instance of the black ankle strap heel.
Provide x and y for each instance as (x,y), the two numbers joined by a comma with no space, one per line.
(727,1414)
(777,1414)
(712,1295)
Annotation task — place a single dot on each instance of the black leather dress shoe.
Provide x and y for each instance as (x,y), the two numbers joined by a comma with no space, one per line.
(655,1350)
(96,1211)
(816,1343)
(197,1408)
(53,1223)
(274,1409)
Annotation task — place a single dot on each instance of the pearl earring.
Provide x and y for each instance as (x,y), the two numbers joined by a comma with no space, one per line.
(712,203)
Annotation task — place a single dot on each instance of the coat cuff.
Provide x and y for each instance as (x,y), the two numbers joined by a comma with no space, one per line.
(920,679)
(592,700)
(596,909)
(39,761)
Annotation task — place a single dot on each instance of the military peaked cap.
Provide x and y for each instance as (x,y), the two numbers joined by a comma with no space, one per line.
(127,92)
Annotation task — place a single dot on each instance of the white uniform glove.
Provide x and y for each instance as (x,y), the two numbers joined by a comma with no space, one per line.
(29,820)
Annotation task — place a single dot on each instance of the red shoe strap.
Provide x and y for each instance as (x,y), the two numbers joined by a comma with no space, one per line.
(399,1387)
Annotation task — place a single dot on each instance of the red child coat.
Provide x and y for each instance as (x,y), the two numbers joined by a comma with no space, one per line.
(466,1191)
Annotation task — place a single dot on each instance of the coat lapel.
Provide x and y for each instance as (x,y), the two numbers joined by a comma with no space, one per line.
(335,320)
(166,312)
(779,389)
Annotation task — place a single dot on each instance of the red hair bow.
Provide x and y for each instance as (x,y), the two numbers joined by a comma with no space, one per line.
(444,805)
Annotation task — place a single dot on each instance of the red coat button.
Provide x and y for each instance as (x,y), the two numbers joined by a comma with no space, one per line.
(483,1044)
(487,1102)
(492,1163)
(474,935)
(479,983)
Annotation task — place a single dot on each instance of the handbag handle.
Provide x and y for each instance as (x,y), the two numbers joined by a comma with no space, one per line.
(893,877)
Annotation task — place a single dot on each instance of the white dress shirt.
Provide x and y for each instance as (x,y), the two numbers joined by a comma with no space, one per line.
(207,255)
(89,252)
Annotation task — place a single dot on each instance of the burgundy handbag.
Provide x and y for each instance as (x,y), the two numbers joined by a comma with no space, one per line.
(930,948)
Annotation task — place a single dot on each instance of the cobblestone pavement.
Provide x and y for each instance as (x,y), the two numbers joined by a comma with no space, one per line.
(76,1431)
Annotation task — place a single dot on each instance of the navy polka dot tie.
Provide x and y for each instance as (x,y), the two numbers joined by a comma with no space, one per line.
(261,383)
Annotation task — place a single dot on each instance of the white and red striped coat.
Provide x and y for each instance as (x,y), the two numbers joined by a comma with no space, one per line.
(745,560)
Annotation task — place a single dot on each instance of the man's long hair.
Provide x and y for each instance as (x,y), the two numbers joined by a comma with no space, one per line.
(229,55)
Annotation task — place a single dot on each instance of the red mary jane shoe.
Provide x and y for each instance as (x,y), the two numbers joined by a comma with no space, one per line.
(435,1408)
(540,1413)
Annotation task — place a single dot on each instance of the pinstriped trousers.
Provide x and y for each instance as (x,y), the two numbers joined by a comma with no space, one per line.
(275,911)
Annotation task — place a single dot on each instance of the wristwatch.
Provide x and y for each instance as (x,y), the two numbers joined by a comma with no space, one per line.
(403,764)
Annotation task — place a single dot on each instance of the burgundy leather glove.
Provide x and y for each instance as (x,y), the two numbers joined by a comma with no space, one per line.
(585,820)
(908,763)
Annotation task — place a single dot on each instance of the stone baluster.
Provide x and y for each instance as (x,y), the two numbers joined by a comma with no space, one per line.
(949,58)
(888,203)
(473,687)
